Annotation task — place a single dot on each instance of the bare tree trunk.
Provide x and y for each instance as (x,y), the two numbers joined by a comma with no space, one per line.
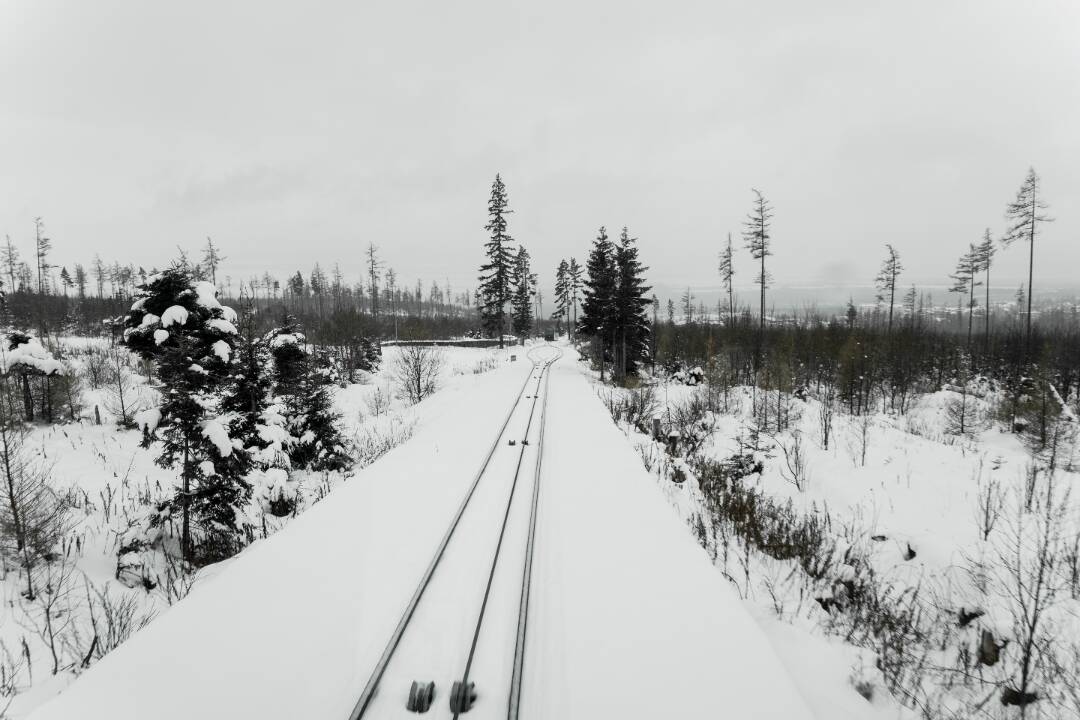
(185,533)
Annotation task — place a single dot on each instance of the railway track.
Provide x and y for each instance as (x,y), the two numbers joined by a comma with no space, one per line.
(488,545)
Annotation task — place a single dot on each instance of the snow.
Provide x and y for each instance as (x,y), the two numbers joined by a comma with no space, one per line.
(215,432)
(286,339)
(206,295)
(160,336)
(238,638)
(630,602)
(29,354)
(177,314)
(907,514)
(221,325)
(148,420)
(271,484)
(222,350)
(629,619)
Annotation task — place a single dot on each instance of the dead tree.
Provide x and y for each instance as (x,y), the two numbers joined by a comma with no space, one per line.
(886,280)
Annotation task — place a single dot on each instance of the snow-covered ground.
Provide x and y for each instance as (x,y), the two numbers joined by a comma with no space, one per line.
(111,482)
(910,503)
(629,619)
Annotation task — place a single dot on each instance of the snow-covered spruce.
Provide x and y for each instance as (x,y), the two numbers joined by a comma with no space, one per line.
(177,322)
(302,384)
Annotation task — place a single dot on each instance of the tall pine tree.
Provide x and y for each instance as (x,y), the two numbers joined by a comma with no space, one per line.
(562,294)
(987,250)
(886,280)
(496,275)
(631,303)
(1024,215)
(727,277)
(573,293)
(758,237)
(597,309)
(521,301)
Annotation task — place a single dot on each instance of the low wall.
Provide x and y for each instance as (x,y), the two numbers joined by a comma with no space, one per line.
(464,342)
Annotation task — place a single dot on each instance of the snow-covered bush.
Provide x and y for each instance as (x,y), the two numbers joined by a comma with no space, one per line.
(23,357)
(485,364)
(693,377)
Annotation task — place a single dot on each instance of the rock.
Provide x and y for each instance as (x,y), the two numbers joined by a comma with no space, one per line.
(989,651)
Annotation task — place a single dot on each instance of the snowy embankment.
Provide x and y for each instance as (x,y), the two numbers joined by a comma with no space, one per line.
(110,483)
(634,622)
(923,536)
(630,620)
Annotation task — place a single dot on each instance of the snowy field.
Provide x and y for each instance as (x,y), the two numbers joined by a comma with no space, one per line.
(944,528)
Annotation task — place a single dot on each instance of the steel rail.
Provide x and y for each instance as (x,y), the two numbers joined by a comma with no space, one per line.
(545,373)
(513,709)
(372,685)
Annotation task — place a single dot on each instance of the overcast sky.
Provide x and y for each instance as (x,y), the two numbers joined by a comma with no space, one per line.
(302,131)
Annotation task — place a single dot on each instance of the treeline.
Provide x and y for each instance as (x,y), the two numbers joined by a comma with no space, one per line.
(866,368)
(51,299)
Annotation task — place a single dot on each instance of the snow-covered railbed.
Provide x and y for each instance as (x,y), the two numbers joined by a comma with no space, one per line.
(293,625)
(630,619)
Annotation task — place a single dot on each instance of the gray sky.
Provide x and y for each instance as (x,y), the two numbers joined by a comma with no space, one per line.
(295,132)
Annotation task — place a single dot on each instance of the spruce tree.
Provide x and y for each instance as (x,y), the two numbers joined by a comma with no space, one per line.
(986,252)
(757,234)
(886,280)
(597,308)
(562,293)
(910,298)
(967,267)
(687,304)
(631,303)
(973,266)
(573,293)
(496,274)
(303,386)
(1024,215)
(373,267)
(212,259)
(246,397)
(9,259)
(177,322)
(521,301)
(727,277)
